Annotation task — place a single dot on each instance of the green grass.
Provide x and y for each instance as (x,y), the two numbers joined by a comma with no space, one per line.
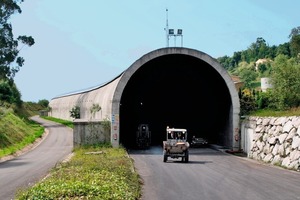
(94,172)
(16,133)
(61,121)
(273,113)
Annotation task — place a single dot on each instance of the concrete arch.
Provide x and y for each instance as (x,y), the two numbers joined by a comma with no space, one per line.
(232,128)
(200,79)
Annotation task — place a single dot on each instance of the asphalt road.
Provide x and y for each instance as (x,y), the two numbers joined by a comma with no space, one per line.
(213,175)
(209,175)
(32,166)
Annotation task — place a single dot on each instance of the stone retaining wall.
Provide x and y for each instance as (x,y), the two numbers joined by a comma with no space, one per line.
(275,140)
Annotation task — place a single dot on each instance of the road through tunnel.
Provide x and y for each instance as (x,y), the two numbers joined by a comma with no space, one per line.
(175,90)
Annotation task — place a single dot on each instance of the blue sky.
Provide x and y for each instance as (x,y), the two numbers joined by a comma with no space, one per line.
(82,44)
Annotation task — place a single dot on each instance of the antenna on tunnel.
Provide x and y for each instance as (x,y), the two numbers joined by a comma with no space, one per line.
(167,28)
(171,32)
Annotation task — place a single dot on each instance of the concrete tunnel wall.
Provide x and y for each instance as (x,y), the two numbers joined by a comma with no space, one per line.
(118,96)
(102,95)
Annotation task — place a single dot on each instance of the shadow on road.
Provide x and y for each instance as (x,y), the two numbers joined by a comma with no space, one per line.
(158,150)
(12,163)
(188,163)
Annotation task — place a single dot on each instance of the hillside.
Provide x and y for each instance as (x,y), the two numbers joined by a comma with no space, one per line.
(17,131)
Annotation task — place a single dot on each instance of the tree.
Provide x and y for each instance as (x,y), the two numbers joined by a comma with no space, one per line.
(43,102)
(9,92)
(295,41)
(295,45)
(247,101)
(10,62)
(248,76)
(236,58)
(283,49)
(286,82)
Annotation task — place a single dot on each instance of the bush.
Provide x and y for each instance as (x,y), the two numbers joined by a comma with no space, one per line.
(75,112)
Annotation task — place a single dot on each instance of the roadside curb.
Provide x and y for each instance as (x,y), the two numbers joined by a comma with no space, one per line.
(219,148)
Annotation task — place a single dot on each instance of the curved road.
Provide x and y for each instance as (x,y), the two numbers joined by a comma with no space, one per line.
(30,167)
(212,175)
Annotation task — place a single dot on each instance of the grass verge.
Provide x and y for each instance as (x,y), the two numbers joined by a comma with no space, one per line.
(274,113)
(61,121)
(94,172)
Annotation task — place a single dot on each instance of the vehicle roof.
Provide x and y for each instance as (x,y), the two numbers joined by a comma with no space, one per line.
(177,129)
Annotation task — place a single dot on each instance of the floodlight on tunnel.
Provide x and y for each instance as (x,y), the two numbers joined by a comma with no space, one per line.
(179,31)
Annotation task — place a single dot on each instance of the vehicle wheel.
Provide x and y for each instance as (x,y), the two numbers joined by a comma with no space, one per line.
(165,156)
(186,159)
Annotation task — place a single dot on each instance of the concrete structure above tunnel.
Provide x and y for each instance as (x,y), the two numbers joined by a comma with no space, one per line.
(170,86)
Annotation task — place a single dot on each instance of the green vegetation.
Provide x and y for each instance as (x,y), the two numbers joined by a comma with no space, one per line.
(274,113)
(10,62)
(279,63)
(16,129)
(75,112)
(94,172)
(27,109)
(16,133)
(61,121)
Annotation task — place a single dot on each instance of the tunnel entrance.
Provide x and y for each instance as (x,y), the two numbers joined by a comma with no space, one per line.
(178,91)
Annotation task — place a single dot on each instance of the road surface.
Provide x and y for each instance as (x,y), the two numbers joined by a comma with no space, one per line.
(212,175)
(209,175)
(30,167)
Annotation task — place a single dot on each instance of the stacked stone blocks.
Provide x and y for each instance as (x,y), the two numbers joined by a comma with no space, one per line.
(276,140)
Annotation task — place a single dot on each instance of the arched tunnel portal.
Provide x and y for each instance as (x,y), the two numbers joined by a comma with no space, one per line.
(179,90)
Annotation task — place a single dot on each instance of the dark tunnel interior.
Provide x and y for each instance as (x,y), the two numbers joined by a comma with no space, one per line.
(178,91)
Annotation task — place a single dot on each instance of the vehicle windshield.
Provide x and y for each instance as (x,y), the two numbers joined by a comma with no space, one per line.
(176,135)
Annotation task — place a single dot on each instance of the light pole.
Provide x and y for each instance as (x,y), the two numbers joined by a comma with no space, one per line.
(171,33)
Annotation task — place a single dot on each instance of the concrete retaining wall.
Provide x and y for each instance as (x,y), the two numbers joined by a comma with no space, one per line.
(272,140)
(90,132)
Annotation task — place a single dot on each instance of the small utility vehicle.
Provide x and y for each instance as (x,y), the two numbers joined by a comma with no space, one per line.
(176,145)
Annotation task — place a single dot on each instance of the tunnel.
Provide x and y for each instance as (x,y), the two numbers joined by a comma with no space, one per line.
(175,90)
(174,86)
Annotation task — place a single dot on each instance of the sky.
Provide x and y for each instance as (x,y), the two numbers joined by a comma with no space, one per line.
(83,44)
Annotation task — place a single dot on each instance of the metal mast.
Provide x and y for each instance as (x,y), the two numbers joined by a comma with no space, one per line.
(167,28)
